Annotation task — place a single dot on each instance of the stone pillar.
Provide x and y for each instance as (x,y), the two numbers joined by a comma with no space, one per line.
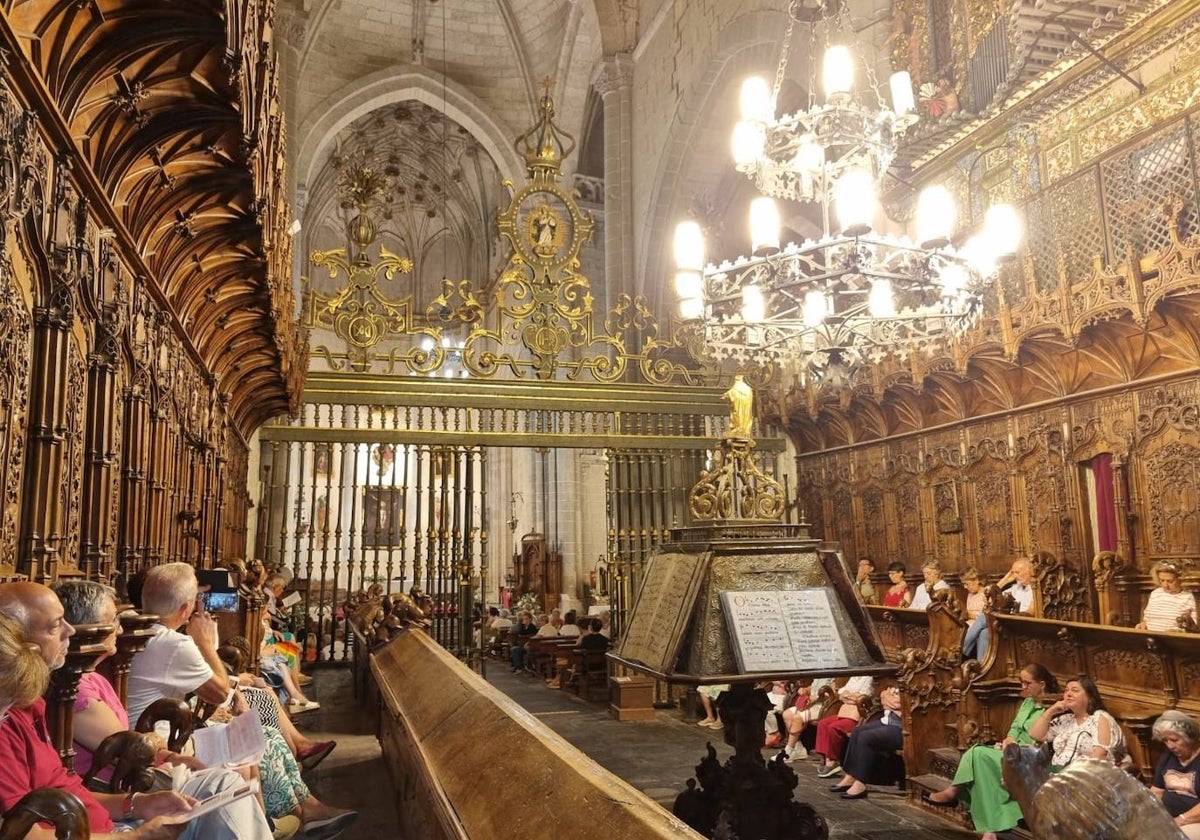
(614,83)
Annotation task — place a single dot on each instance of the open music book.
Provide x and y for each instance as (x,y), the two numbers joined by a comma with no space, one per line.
(786,630)
(241,741)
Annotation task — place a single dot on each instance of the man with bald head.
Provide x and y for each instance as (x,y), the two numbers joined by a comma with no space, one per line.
(28,760)
(1018,582)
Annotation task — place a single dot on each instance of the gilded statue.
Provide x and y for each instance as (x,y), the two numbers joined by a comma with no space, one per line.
(740,397)
(544,223)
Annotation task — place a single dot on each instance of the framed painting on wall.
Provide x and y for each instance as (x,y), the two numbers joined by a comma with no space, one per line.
(383,517)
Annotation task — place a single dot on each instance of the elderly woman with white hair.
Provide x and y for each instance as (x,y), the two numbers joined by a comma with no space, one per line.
(1177,776)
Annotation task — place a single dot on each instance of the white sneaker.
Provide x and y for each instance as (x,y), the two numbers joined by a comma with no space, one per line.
(797,753)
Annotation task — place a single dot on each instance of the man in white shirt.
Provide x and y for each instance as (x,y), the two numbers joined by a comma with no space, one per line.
(933,582)
(1019,581)
(174,665)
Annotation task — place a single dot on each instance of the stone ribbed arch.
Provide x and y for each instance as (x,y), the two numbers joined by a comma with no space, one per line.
(748,34)
(391,86)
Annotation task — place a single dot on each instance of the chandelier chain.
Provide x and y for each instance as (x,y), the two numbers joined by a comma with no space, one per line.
(784,53)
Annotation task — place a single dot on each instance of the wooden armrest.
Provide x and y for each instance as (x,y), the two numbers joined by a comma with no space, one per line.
(174,711)
(131,755)
(50,805)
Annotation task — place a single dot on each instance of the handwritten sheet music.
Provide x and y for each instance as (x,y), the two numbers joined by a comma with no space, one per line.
(663,608)
(788,630)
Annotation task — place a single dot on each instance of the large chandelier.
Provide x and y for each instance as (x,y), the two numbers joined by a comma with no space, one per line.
(799,156)
(853,295)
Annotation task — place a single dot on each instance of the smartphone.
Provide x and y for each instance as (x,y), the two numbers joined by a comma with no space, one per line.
(221,601)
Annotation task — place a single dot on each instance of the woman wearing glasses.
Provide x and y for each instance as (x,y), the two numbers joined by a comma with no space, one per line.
(977,782)
(1168,603)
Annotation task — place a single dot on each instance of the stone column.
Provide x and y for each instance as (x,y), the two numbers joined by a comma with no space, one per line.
(614,83)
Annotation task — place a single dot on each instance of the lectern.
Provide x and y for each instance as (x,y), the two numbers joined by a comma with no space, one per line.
(740,597)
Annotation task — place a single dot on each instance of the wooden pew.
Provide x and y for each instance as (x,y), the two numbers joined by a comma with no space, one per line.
(541,654)
(900,629)
(444,773)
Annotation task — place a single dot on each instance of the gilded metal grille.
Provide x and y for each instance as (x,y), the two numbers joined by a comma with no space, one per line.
(1140,183)
(342,516)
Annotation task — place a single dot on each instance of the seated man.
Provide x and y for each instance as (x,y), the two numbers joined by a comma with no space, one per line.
(524,631)
(28,760)
(1019,583)
(175,665)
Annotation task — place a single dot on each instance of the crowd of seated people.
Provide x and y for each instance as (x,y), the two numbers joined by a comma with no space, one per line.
(545,643)
(29,761)
(172,665)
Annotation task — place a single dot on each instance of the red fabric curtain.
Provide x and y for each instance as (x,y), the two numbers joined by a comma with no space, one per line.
(1106,513)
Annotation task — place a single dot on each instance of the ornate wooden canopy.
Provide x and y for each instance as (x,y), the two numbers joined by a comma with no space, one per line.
(175,110)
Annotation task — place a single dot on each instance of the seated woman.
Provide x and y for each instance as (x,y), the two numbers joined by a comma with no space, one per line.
(99,713)
(977,781)
(1079,727)
(899,595)
(976,599)
(869,745)
(932,572)
(1177,776)
(1168,603)
(833,732)
(804,710)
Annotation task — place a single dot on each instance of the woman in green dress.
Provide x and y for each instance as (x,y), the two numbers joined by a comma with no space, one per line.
(977,782)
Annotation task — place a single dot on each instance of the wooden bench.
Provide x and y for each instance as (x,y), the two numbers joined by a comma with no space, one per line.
(591,671)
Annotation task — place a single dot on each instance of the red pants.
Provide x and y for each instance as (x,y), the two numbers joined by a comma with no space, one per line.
(832,735)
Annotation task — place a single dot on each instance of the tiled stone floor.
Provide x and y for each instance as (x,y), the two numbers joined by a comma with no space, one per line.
(354,775)
(658,756)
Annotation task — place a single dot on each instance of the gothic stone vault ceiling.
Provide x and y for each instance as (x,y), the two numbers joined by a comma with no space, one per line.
(437,208)
(352,55)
